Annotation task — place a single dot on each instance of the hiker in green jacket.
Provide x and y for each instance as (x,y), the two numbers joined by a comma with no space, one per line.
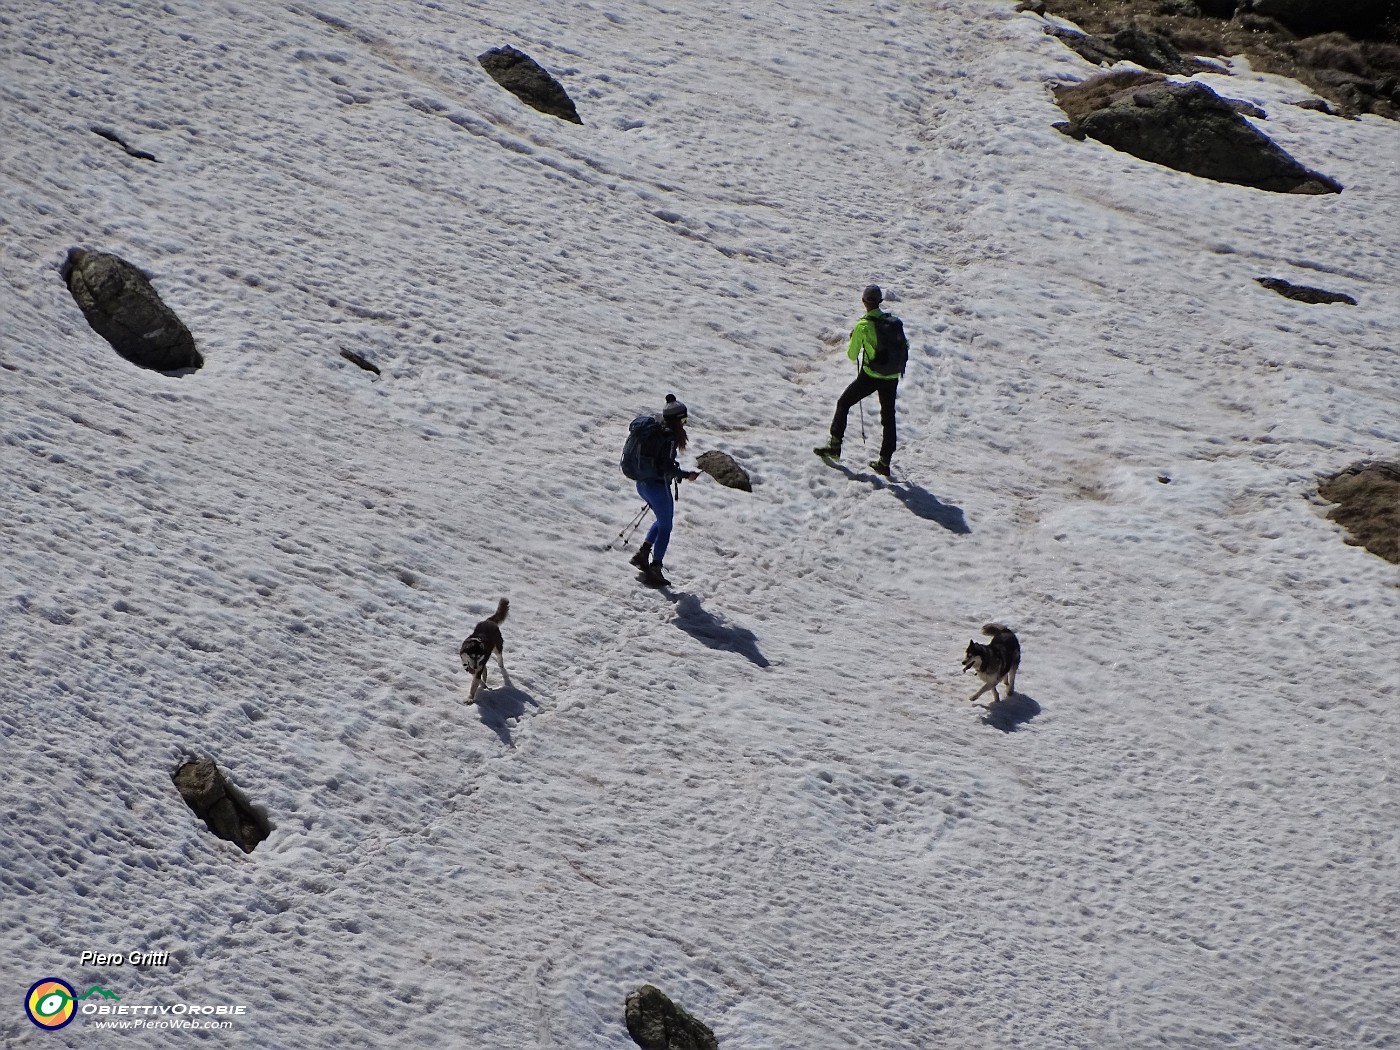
(878,343)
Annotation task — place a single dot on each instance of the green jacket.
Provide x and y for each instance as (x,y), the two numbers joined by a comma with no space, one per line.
(862,345)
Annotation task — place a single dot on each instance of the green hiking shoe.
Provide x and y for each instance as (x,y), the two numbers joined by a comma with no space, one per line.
(881,467)
(831,450)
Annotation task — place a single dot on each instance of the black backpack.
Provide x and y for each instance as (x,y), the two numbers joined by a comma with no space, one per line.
(646,443)
(891,347)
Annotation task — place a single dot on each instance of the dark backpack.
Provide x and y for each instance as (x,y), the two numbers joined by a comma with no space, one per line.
(891,347)
(646,443)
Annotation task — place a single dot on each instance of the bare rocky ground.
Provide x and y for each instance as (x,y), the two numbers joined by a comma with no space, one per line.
(1368,506)
(1356,72)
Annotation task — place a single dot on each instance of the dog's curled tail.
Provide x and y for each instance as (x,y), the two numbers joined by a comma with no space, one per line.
(502,607)
(991,630)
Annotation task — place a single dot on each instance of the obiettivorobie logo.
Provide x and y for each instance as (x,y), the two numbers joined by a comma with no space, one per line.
(50,1002)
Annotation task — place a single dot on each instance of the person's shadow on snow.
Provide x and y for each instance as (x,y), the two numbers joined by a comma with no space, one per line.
(1010,712)
(918,499)
(496,708)
(711,630)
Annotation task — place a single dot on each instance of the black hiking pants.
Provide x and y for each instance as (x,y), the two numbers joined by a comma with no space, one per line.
(863,386)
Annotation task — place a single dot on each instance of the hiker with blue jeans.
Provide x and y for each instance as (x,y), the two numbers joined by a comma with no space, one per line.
(649,459)
(878,343)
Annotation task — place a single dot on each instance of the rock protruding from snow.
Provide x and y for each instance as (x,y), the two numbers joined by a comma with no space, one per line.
(721,467)
(528,81)
(1368,506)
(1187,127)
(1304,293)
(222,807)
(656,1023)
(359,360)
(123,307)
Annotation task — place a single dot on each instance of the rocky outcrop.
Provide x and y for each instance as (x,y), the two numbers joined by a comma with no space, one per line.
(1187,127)
(1154,51)
(1355,66)
(528,81)
(1091,48)
(1368,506)
(656,1023)
(122,307)
(223,809)
(1303,293)
(1149,50)
(721,467)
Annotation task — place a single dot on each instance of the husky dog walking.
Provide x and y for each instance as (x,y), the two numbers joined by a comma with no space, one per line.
(484,642)
(995,662)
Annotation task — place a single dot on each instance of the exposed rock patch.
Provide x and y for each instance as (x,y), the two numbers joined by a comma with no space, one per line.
(656,1023)
(1246,109)
(1150,50)
(1302,293)
(1154,51)
(1187,127)
(358,360)
(222,807)
(721,467)
(112,136)
(1087,46)
(122,307)
(528,81)
(1368,506)
(1347,52)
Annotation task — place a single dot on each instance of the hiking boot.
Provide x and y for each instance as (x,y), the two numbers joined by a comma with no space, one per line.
(881,467)
(654,576)
(831,450)
(642,557)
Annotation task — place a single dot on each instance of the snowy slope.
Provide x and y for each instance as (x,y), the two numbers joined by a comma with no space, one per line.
(765,794)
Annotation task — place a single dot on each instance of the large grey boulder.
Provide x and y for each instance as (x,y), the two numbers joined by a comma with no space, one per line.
(223,809)
(656,1023)
(528,81)
(122,307)
(1187,127)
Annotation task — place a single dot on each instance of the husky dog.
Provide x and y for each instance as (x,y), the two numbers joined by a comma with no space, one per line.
(481,644)
(996,662)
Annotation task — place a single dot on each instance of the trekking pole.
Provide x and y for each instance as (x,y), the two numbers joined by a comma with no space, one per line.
(630,527)
(862,409)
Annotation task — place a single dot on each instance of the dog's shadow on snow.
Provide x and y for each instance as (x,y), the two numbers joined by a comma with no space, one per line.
(918,499)
(496,707)
(711,630)
(1011,712)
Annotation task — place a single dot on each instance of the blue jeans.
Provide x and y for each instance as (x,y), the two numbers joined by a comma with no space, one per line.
(658,497)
